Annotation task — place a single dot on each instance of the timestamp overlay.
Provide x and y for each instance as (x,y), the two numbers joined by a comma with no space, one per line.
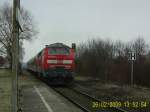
(128,105)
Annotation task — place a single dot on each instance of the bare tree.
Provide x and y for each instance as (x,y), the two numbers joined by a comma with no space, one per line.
(108,60)
(119,49)
(140,46)
(29,29)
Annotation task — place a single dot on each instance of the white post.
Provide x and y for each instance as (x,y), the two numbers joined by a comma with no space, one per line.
(131,72)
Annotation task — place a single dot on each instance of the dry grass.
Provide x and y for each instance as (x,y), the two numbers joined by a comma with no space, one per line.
(116,90)
(5,90)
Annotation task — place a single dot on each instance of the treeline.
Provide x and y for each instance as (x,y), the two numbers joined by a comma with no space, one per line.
(108,60)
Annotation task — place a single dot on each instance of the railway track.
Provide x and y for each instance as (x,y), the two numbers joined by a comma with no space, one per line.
(134,105)
(83,100)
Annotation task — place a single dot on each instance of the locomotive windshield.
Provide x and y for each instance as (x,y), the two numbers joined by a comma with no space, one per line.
(58,51)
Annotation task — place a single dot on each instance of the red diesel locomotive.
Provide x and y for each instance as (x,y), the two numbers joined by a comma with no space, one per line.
(55,62)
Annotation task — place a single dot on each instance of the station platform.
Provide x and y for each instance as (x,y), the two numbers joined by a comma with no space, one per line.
(5,90)
(39,97)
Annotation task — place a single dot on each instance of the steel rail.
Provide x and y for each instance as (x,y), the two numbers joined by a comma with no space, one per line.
(85,95)
(74,102)
(94,98)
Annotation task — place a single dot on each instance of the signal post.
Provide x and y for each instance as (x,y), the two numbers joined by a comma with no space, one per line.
(132,58)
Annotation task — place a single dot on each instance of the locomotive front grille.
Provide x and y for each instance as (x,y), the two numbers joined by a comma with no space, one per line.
(60,68)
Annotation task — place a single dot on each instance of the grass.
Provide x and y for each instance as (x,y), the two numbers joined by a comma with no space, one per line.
(5,90)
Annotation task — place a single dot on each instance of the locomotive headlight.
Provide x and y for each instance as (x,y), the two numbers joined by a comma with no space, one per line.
(52,61)
(67,61)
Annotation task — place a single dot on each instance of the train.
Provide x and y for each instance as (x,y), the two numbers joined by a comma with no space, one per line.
(55,62)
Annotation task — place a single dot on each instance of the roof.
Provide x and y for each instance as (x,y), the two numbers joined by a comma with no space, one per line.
(58,45)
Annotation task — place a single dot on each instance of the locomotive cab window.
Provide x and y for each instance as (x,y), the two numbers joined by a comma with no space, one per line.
(59,51)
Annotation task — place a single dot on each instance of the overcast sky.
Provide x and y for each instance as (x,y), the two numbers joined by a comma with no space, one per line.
(77,21)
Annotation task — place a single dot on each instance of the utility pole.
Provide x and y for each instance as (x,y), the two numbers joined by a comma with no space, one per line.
(15,37)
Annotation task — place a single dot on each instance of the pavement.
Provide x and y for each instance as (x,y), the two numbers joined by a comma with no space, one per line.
(39,97)
(5,90)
